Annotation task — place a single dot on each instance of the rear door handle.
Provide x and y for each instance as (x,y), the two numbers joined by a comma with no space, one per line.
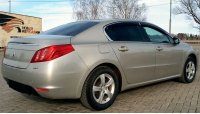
(159,48)
(123,49)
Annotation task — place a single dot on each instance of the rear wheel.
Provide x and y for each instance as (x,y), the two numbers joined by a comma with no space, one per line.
(100,89)
(189,71)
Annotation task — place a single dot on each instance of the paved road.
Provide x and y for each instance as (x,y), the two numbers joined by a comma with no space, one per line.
(169,96)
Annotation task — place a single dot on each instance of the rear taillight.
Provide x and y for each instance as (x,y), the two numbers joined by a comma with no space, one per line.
(4,52)
(51,52)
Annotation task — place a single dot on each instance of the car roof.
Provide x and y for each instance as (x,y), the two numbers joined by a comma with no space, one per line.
(107,21)
(111,20)
(104,22)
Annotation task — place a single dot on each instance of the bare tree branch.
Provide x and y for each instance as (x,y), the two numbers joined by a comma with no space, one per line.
(88,9)
(100,9)
(190,8)
(127,9)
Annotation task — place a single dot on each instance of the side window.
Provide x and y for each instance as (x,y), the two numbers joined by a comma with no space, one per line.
(156,36)
(124,32)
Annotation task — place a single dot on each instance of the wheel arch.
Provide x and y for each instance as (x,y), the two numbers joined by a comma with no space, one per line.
(184,77)
(117,71)
(109,64)
(194,57)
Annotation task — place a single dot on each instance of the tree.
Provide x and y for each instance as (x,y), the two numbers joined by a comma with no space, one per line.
(126,9)
(88,9)
(101,9)
(191,8)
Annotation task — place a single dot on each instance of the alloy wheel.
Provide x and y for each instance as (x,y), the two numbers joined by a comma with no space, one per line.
(190,70)
(103,88)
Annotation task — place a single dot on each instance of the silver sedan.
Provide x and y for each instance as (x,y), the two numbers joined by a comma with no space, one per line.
(95,60)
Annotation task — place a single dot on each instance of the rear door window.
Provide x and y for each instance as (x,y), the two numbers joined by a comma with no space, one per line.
(70,29)
(124,32)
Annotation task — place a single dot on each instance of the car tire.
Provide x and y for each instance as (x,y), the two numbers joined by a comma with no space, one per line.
(100,88)
(189,71)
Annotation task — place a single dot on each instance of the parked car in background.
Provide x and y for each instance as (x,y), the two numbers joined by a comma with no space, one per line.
(95,60)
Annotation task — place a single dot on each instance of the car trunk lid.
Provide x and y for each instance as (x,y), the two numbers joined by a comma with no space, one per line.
(20,51)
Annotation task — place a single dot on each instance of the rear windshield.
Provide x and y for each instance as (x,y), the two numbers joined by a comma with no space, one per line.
(70,29)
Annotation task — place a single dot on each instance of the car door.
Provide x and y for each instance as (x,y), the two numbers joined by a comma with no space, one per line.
(168,55)
(135,54)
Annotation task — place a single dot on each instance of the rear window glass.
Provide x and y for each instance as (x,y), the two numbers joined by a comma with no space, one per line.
(70,29)
(124,32)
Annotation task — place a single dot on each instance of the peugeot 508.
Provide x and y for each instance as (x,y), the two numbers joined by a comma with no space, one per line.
(95,60)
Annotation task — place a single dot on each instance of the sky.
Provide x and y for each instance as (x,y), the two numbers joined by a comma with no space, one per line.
(58,12)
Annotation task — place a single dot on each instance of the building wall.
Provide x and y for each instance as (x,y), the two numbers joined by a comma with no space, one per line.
(15,25)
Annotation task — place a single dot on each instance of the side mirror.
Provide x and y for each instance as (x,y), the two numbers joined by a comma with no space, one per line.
(176,40)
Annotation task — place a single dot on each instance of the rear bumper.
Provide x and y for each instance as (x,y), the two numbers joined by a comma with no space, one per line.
(21,87)
(61,77)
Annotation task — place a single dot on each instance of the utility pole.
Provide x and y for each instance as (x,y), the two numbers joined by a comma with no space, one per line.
(9,6)
(170,18)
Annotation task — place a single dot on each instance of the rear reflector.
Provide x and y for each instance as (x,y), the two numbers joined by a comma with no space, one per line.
(42,90)
(51,52)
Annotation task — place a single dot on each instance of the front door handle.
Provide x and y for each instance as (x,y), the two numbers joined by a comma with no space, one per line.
(159,48)
(123,49)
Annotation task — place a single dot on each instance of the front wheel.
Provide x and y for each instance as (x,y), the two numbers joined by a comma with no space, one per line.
(189,71)
(100,88)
